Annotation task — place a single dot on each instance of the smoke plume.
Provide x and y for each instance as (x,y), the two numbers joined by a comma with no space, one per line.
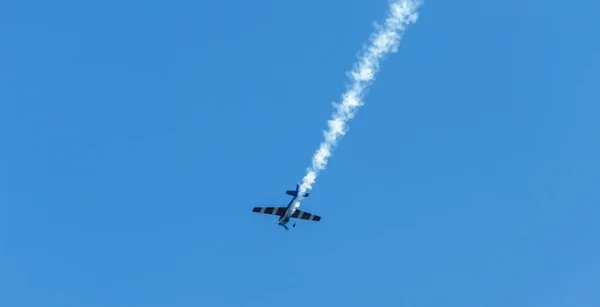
(383,41)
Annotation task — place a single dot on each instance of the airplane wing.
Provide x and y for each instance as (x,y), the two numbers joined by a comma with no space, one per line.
(270,210)
(299,214)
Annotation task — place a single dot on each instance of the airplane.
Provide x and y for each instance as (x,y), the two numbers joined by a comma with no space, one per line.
(288,212)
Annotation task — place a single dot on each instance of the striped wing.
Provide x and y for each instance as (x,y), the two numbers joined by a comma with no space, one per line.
(299,214)
(270,210)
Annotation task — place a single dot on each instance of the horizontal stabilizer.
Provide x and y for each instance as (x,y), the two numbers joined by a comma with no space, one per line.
(295,193)
(270,210)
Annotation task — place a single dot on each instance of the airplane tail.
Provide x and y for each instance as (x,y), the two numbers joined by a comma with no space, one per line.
(295,192)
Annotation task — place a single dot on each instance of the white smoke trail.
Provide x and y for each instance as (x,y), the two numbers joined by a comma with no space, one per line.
(386,39)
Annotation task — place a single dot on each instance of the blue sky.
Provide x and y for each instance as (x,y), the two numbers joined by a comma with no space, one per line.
(135,137)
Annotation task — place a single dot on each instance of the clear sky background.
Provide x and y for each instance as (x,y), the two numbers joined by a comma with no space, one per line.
(136,136)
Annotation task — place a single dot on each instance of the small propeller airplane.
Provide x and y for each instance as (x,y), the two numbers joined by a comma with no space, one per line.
(290,211)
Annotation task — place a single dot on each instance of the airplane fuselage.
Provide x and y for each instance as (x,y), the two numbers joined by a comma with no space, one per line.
(284,219)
